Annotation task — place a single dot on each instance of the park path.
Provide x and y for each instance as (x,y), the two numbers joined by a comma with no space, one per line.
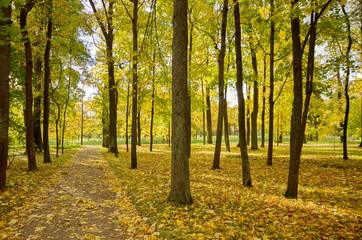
(83,203)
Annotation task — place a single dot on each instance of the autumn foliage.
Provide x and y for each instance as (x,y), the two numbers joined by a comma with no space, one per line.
(329,206)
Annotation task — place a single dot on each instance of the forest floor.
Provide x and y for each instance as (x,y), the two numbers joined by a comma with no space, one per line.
(94,195)
(83,201)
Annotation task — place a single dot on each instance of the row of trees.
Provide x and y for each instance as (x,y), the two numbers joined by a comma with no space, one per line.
(249,43)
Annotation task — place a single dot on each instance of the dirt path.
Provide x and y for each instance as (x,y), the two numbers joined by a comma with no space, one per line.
(80,205)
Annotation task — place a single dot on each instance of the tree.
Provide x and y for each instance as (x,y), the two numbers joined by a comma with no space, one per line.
(47,81)
(180,172)
(5,24)
(271,91)
(254,113)
(29,123)
(346,84)
(221,60)
(134,86)
(107,29)
(300,108)
(241,103)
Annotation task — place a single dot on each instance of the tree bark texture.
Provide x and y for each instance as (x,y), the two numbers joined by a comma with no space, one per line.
(180,174)
(221,61)
(5,23)
(108,34)
(29,122)
(246,175)
(153,99)
(47,81)
(262,144)
(226,124)
(254,114)
(271,90)
(296,132)
(346,84)
(300,109)
(208,115)
(134,87)
(37,103)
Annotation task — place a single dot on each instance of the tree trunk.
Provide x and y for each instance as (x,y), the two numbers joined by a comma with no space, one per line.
(112,97)
(226,124)
(152,99)
(82,124)
(108,34)
(127,117)
(221,60)
(208,115)
(248,129)
(241,103)
(180,173)
(300,109)
(254,114)
(105,135)
(263,106)
(57,129)
(203,112)
(271,91)
(139,138)
(67,100)
(29,124)
(134,86)
(37,104)
(5,23)
(346,86)
(296,133)
(47,81)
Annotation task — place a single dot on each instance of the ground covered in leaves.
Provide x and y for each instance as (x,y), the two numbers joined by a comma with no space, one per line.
(81,201)
(79,197)
(329,204)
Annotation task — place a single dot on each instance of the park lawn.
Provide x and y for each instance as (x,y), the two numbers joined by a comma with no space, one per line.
(329,204)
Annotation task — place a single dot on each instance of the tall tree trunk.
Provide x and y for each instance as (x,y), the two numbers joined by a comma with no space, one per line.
(263,106)
(82,123)
(5,23)
(47,81)
(134,86)
(153,99)
(248,128)
(226,124)
(139,138)
(346,84)
(221,60)
(112,98)
(241,103)
(254,114)
(203,112)
(299,115)
(57,129)
(37,104)
(271,91)
(189,77)
(29,124)
(180,172)
(67,99)
(208,115)
(108,34)
(127,116)
(105,125)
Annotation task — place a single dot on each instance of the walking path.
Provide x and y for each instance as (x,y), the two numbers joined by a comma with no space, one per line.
(84,203)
